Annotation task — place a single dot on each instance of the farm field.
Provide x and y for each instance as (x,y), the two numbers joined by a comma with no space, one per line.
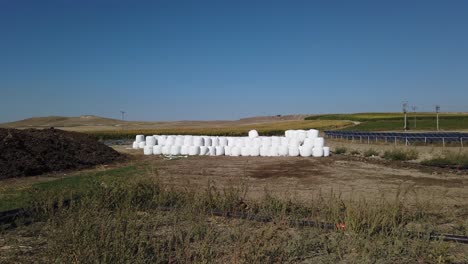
(378,201)
(394,121)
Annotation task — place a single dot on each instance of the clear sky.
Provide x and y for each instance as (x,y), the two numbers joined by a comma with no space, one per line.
(179,60)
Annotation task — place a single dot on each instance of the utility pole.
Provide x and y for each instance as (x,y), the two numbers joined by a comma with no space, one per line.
(437,108)
(405,105)
(123,115)
(414,111)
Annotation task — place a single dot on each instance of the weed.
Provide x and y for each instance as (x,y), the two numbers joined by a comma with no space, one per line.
(400,154)
(340,150)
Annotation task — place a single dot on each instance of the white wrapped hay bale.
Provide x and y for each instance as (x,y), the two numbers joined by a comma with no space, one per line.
(275,141)
(283,150)
(198,141)
(317,152)
(140,138)
(188,140)
(150,141)
(240,142)
(162,140)
(235,151)
(175,150)
(142,144)
(293,151)
(227,150)
(308,142)
(148,150)
(264,151)
(266,141)
(212,151)
(219,150)
(245,151)
(194,150)
(284,141)
(254,151)
(253,134)
(179,141)
(214,141)
(184,150)
(207,141)
(170,141)
(223,141)
(203,150)
(157,150)
(257,142)
(305,151)
(273,151)
(326,151)
(248,142)
(312,133)
(231,141)
(166,150)
(301,135)
(319,142)
(135,145)
(294,142)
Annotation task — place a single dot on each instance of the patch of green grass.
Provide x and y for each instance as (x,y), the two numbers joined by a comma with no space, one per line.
(394,121)
(449,159)
(17,198)
(400,155)
(371,153)
(340,150)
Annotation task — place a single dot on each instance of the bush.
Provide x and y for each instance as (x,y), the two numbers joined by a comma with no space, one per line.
(340,150)
(399,154)
(449,159)
(355,152)
(371,153)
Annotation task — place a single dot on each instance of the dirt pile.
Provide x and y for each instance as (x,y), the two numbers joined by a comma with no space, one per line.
(32,152)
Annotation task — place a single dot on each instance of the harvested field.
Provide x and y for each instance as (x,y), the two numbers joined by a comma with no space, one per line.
(33,152)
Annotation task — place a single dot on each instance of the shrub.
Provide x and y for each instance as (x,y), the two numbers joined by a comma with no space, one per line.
(459,159)
(340,150)
(371,153)
(399,154)
(355,152)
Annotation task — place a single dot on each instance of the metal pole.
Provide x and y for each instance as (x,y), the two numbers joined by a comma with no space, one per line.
(437,121)
(443,142)
(368,140)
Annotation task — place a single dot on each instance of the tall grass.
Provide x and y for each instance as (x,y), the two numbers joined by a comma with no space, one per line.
(124,223)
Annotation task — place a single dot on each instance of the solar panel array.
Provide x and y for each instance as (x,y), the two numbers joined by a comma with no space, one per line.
(434,137)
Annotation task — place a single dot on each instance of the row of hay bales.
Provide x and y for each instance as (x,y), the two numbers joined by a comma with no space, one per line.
(294,143)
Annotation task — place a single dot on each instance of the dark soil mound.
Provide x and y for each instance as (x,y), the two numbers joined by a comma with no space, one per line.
(32,152)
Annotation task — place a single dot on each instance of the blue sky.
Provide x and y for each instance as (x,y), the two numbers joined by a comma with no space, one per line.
(180,60)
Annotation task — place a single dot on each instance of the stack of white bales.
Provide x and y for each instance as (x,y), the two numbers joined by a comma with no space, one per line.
(294,143)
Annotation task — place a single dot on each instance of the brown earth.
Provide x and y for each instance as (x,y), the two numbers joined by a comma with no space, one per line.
(33,152)
(298,177)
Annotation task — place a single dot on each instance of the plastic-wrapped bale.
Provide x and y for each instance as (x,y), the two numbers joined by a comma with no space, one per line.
(223,141)
(135,145)
(284,141)
(326,151)
(317,152)
(266,141)
(245,151)
(305,151)
(254,151)
(207,141)
(219,150)
(273,151)
(179,141)
(157,150)
(212,151)
(142,144)
(253,134)
(148,150)
(308,142)
(166,150)
(248,142)
(170,141)
(257,142)
(301,135)
(312,133)
(264,151)
(294,142)
(240,142)
(198,141)
(188,140)
(194,150)
(203,150)
(235,151)
(231,141)
(140,138)
(184,150)
(175,150)
(227,150)
(287,133)
(275,141)
(293,151)
(283,150)
(162,140)
(150,141)
(319,142)
(214,141)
